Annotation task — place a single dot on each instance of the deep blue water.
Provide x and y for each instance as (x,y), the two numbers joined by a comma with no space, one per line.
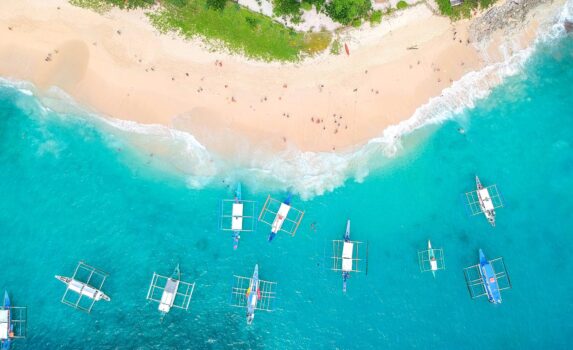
(71,191)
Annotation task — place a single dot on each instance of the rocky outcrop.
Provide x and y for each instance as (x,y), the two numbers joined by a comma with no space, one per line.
(506,16)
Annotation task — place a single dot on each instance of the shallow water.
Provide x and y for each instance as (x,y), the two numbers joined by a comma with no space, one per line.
(71,191)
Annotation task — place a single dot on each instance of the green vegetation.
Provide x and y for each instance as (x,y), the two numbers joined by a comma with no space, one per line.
(348,11)
(464,10)
(376,17)
(287,8)
(225,24)
(239,30)
(402,4)
(307,6)
(335,47)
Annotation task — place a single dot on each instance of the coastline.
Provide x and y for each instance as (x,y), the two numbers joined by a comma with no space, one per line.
(121,67)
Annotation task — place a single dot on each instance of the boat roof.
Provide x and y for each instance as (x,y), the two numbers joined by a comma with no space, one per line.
(486,199)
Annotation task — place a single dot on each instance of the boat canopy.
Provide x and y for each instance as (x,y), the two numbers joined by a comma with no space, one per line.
(486,199)
(237,219)
(347,251)
(4,324)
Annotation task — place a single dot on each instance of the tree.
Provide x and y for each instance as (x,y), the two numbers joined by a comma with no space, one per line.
(347,11)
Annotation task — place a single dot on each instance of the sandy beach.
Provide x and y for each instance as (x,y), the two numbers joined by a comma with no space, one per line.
(118,65)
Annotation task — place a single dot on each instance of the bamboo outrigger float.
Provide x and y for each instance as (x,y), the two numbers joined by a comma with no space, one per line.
(484,200)
(253,294)
(170,292)
(85,287)
(281,216)
(13,320)
(237,215)
(431,259)
(488,277)
(346,256)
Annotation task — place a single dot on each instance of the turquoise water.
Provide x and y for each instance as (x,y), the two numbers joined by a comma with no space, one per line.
(71,191)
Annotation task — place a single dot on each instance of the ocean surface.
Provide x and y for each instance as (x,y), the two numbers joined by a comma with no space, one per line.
(71,189)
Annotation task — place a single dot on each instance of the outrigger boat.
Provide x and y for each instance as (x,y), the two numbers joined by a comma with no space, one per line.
(13,322)
(487,278)
(253,295)
(433,261)
(168,296)
(6,327)
(490,279)
(280,218)
(237,216)
(346,257)
(83,289)
(170,292)
(485,202)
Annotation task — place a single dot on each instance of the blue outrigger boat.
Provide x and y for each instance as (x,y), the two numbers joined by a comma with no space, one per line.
(237,233)
(346,274)
(253,295)
(489,279)
(6,327)
(280,218)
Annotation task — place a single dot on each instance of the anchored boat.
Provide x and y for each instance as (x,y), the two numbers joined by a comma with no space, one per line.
(12,322)
(83,288)
(253,295)
(484,200)
(431,259)
(6,328)
(237,216)
(170,292)
(488,277)
(237,224)
(284,217)
(346,256)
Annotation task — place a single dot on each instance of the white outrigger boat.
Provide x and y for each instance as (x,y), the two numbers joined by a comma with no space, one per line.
(431,259)
(237,216)
(84,288)
(484,200)
(171,289)
(280,216)
(346,256)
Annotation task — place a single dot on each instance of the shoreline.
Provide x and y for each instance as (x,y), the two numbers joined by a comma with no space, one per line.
(122,67)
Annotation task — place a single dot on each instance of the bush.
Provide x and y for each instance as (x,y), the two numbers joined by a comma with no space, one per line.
(218,5)
(347,11)
(318,4)
(401,4)
(288,8)
(376,17)
(307,6)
